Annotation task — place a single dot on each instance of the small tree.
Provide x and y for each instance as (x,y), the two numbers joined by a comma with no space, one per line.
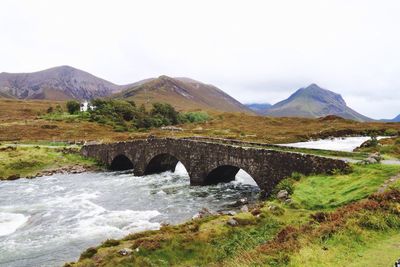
(73,106)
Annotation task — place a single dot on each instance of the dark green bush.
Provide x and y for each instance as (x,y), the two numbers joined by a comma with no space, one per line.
(111,243)
(87,254)
(286,184)
(73,106)
(124,115)
(195,117)
(296,176)
(391,132)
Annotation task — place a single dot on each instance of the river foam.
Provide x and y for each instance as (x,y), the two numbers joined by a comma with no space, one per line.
(10,222)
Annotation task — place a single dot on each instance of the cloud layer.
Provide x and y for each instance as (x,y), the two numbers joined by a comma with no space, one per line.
(257,51)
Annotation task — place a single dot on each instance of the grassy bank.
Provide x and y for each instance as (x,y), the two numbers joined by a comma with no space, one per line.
(29,160)
(330,222)
(390,147)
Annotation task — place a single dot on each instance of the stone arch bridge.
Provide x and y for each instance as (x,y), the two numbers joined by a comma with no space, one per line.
(209,161)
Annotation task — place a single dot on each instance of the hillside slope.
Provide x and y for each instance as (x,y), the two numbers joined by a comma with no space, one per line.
(313,102)
(183,93)
(58,83)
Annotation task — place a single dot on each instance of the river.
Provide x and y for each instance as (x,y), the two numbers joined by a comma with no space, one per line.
(50,220)
(347,144)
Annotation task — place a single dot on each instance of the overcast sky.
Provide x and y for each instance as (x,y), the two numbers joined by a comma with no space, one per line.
(257,51)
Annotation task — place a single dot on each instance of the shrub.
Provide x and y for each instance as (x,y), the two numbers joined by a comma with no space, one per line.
(285,184)
(73,106)
(296,176)
(125,116)
(87,254)
(195,117)
(110,243)
(373,222)
(391,132)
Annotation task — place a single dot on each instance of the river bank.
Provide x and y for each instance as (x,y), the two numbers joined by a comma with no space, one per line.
(34,160)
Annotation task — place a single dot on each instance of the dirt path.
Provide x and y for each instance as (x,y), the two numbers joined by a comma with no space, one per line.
(388,182)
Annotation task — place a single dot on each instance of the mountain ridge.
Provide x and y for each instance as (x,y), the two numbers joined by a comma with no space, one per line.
(183,93)
(57,83)
(313,102)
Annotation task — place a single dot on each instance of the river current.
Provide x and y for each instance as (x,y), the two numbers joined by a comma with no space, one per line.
(50,220)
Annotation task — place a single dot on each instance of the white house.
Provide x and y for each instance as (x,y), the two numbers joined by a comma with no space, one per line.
(85,106)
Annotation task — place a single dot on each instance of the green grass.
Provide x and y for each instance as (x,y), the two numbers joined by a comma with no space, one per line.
(353,246)
(27,160)
(330,191)
(65,116)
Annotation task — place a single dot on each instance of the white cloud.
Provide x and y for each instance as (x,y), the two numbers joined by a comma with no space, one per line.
(254,50)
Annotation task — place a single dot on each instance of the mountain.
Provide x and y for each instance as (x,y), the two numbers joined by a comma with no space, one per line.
(183,93)
(314,102)
(57,83)
(397,119)
(259,108)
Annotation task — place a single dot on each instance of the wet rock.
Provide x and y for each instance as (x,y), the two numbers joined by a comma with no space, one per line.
(232,222)
(241,202)
(14,177)
(282,195)
(288,200)
(203,213)
(196,216)
(244,209)
(231,213)
(125,252)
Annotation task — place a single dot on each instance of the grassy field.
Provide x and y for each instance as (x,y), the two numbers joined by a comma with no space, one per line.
(30,160)
(327,192)
(361,231)
(27,121)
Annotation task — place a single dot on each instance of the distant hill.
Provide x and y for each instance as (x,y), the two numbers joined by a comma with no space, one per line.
(183,93)
(314,102)
(57,83)
(396,119)
(259,108)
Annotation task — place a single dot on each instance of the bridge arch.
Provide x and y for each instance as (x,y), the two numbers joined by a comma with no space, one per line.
(225,173)
(161,163)
(121,163)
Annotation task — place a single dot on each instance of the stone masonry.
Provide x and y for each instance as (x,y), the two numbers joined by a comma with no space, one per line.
(209,162)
